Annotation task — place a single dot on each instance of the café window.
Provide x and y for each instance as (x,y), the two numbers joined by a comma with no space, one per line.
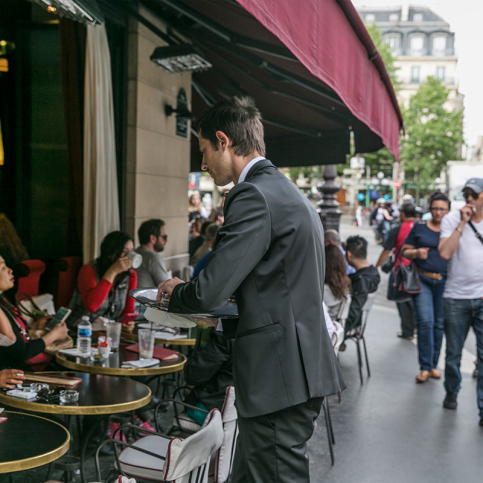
(370,18)
(415,75)
(439,45)
(416,45)
(394,41)
(418,17)
(440,73)
(393,17)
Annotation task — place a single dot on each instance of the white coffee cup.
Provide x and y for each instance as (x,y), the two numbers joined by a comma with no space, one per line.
(136,259)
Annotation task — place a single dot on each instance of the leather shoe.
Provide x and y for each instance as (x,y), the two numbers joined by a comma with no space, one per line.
(423,376)
(450,400)
(402,336)
(481,421)
(435,374)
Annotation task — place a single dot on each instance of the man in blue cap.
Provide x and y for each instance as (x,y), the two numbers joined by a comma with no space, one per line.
(461,243)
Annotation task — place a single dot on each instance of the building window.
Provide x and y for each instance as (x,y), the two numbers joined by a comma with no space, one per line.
(416,45)
(370,18)
(418,17)
(394,41)
(415,75)
(439,45)
(393,17)
(440,73)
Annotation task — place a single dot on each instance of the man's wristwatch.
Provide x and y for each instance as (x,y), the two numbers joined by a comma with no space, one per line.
(459,230)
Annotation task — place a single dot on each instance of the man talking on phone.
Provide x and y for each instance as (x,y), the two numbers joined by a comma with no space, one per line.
(461,243)
(269,253)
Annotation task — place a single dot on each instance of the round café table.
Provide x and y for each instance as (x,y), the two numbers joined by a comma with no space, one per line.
(112,365)
(29,441)
(98,395)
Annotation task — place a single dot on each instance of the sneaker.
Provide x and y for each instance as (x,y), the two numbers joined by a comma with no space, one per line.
(450,400)
(476,373)
(147,425)
(403,336)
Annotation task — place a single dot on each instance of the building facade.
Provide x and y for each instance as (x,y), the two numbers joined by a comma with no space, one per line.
(423,46)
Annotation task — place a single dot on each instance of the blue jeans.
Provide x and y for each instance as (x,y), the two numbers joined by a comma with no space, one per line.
(459,315)
(430,321)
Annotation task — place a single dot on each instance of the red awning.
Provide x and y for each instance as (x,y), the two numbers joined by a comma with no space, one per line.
(330,40)
(310,66)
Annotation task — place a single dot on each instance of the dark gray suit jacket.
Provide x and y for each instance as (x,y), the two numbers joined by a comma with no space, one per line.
(270,254)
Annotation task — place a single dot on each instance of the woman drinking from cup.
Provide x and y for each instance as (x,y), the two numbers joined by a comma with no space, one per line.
(103,285)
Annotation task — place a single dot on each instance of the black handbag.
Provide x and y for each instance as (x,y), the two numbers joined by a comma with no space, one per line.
(393,284)
(410,282)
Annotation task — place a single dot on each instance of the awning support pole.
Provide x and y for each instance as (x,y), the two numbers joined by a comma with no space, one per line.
(328,207)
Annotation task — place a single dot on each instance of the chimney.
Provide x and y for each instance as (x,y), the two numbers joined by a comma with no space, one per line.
(405,11)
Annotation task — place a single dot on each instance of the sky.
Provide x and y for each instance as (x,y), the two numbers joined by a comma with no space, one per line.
(465,18)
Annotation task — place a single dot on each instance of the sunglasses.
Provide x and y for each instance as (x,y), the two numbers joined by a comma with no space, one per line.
(164,237)
(467,194)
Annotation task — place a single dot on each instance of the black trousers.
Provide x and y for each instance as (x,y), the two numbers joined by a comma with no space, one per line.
(408,317)
(272,448)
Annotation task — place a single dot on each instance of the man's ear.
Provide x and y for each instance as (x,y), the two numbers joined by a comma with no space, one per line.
(223,140)
(152,239)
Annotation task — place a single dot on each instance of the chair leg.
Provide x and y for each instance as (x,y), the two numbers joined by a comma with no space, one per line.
(367,360)
(329,437)
(359,359)
(330,420)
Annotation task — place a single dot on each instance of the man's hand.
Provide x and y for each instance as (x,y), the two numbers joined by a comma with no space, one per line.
(9,378)
(466,213)
(423,253)
(167,287)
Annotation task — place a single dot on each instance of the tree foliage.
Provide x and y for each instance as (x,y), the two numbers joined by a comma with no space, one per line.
(434,134)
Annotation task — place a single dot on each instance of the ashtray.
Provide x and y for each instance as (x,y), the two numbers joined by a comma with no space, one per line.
(69,396)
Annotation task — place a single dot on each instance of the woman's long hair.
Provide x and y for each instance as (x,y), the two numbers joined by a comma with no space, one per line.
(335,273)
(191,206)
(111,249)
(10,243)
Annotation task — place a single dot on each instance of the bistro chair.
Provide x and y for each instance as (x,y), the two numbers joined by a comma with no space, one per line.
(221,465)
(66,270)
(357,334)
(27,275)
(157,457)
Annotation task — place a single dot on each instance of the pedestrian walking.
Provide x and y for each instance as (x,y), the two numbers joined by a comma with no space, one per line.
(462,244)
(421,245)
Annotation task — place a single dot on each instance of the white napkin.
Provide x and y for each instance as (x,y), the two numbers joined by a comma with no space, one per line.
(139,364)
(29,396)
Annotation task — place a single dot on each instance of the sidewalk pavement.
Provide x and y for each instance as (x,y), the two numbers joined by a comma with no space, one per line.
(391,429)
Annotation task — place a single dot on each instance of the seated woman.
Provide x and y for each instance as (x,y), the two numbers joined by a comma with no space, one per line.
(103,285)
(16,348)
(337,286)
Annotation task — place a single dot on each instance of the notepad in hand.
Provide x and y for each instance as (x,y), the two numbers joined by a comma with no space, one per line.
(159,352)
(52,379)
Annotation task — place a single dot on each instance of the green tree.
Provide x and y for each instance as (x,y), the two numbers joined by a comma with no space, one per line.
(382,160)
(434,134)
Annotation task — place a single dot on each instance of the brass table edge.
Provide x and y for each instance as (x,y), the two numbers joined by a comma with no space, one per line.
(36,461)
(58,409)
(117,371)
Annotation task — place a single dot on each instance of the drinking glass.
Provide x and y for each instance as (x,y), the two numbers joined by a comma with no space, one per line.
(69,396)
(146,343)
(113,332)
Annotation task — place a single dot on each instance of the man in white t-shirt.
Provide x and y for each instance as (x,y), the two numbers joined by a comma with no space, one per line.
(463,292)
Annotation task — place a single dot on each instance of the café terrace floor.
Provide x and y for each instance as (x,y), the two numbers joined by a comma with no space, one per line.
(390,429)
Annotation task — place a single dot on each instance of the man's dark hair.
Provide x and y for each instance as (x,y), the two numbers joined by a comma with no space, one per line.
(240,120)
(112,247)
(148,228)
(211,231)
(438,196)
(409,210)
(357,245)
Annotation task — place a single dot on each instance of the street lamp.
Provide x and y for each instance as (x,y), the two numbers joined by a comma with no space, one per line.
(380,175)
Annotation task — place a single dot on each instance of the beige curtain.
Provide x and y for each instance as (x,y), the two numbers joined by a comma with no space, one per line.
(101,207)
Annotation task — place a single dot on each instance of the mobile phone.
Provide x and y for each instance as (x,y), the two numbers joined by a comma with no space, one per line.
(60,316)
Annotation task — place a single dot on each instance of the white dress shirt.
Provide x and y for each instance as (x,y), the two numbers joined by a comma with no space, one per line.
(244,173)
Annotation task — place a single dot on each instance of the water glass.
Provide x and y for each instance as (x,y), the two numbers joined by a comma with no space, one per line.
(146,343)
(68,396)
(113,332)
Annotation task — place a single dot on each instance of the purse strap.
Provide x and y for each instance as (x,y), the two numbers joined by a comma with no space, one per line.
(477,233)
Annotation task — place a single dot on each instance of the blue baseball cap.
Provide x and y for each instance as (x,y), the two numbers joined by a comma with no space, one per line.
(476,184)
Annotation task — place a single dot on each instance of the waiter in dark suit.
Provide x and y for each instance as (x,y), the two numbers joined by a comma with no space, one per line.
(270,254)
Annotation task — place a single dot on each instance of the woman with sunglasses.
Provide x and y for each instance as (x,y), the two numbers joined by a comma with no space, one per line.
(421,245)
(103,285)
(17,350)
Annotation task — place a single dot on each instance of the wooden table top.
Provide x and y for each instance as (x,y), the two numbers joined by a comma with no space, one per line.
(21,451)
(112,365)
(98,394)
